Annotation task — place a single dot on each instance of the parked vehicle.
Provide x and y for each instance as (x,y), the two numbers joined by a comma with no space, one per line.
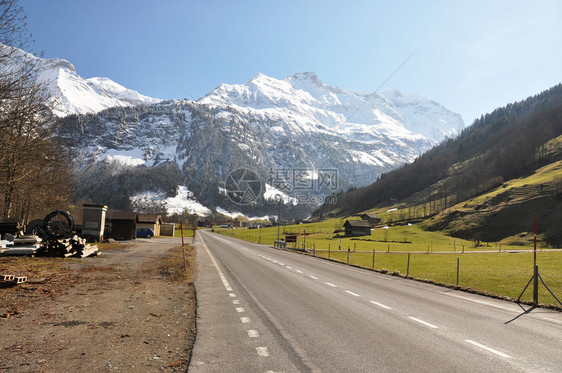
(145,233)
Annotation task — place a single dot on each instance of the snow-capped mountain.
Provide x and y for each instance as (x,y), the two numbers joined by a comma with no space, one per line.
(130,148)
(73,94)
(312,105)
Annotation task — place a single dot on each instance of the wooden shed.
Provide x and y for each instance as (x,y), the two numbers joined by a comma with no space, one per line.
(151,221)
(123,224)
(374,219)
(167,229)
(357,228)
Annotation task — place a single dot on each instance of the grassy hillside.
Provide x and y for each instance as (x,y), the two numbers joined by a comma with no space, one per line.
(508,210)
(448,182)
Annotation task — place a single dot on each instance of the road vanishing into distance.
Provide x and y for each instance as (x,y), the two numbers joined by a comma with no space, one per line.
(262,309)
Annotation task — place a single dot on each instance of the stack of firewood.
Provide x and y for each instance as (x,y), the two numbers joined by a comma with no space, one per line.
(72,247)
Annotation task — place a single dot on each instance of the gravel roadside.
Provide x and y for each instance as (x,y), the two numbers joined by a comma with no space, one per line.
(126,310)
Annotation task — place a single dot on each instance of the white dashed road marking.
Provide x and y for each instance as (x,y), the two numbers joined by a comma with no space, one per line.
(239,309)
(313,277)
(253,334)
(352,293)
(489,349)
(262,351)
(330,284)
(422,322)
(245,320)
(381,305)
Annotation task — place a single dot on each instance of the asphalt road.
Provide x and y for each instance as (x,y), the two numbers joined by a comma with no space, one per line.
(266,310)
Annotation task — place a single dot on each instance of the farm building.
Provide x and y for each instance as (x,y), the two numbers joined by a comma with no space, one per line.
(371,218)
(123,224)
(357,228)
(167,229)
(151,221)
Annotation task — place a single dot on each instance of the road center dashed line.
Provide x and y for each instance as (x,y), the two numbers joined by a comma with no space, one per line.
(253,333)
(262,351)
(236,301)
(381,305)
(422,322)
(489,349)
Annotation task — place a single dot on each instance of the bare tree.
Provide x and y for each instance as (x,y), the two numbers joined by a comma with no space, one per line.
(34,173)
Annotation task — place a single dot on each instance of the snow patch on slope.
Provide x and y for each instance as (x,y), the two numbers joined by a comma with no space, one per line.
(182,201)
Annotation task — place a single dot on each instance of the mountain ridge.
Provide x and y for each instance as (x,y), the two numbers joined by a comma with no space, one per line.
(265,124)
(72,94)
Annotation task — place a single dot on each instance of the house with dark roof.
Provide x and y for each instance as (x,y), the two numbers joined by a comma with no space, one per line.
(357,228)
(372,218)
(151,221)
(123,224)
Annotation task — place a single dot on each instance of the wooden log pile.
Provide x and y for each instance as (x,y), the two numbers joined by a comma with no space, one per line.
(72,247)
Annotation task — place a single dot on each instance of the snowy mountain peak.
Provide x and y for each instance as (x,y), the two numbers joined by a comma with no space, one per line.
(309,104)
(57,63)
(72,94)
(308,79)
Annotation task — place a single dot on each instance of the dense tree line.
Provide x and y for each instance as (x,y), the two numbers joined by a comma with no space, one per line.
(502,145)
(34,176)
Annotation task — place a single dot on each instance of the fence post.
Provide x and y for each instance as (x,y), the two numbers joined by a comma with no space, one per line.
(354,246)
(388,249)
(408,268)
(348,254)
(373,265)
(328,251)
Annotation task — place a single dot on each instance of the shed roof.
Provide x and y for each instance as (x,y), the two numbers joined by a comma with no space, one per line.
(358,223)
(122,215)
(372,215)
(149,218)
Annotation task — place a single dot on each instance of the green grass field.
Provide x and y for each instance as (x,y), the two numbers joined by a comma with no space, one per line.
(186,232)
(433,257)
(394,239)
(503,273)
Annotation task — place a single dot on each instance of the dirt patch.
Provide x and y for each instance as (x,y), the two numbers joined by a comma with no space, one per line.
(130,309)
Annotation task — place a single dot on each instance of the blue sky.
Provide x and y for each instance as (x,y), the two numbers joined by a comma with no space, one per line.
(471,56)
